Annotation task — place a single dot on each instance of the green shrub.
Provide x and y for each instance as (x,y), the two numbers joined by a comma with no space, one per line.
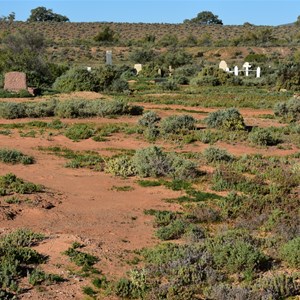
(151,162)
(149,118)
(227,119)
(172,231)
(12,110)
(279,286)
(236,252)
(177,124)
(214,155)
(79,132)
(40,109)
(76,79)
(10,183)
(264,137)
(290,252)
(151,133)
(15,156)
(119,85)
(169,85)
(120,166)
(180,168)
(289,110)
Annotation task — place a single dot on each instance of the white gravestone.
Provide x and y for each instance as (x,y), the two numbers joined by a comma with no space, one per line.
(258,71)
(246,66)
(223,65)
(138,68)
(236,71)
(109,57)
(89,69)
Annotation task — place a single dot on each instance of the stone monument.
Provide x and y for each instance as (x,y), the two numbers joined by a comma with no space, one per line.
(15,81)
(109,57)
(138,68)
(223,65)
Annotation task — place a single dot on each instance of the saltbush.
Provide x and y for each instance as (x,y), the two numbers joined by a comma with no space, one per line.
(227,119)
(120,166)
(236,252)
(149,119)
(14,156)
(76,79)
(12,110)
(79,132)
(214,155)
(177,124)
(153,162)
(289,110)
(264,137)
(290,252)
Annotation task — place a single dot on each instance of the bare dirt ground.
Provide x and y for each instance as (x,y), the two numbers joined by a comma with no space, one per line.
(88,209)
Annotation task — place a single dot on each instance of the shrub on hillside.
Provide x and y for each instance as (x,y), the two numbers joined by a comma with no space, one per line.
(177,124)
(264,137)
(289,110)
(12,110)
(153,162)
(213,155)
(76,79)
(40,109)
(79,132)
(228,119)
(14,156)
(120,166)
(149,119)
(290,252)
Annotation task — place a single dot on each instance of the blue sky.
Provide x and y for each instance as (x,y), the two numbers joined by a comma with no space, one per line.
(258,12)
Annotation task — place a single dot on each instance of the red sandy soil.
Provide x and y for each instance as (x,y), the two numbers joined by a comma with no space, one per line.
(86,208)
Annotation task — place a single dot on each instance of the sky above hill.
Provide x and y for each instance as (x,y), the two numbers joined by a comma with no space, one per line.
(231,12)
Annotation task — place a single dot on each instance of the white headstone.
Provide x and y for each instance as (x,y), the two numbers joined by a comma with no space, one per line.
(89,69)
(258,71)
(236,71)
(171,70)
(138,68)
(109,57)
(223,65)
(227,69)
(159,72)
(246,66)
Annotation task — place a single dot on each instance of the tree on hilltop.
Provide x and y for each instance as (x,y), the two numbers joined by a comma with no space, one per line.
(205,18)
(42,14)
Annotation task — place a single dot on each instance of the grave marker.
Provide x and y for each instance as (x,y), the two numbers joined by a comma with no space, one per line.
(138,68)
(109,57)
(223,65)
(15,81)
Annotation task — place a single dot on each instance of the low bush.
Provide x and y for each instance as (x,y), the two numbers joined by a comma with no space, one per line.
(153,162)
(73,108)
(10,183)
(79,132)
(215,155)
(236,252)
(227,119)
(264,137)
(290,252)
(174,230)
(177,124)
(120,166)
(289,110)
(149,118)
(12,110)
(14,156)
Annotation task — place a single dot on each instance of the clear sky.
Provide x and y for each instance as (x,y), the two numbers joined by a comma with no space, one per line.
(231,12)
